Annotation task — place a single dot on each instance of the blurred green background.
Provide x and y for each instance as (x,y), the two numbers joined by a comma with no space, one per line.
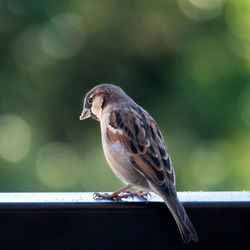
(187,62)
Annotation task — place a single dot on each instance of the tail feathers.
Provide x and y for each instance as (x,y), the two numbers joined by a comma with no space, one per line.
(187,230)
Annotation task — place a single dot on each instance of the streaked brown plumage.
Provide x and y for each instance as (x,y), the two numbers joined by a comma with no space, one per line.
(135,150)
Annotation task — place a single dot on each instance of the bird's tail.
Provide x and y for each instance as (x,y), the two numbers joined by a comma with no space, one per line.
(187,230)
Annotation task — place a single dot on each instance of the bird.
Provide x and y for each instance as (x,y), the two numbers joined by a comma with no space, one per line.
(135,149)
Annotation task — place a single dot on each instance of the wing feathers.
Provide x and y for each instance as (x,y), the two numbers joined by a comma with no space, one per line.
(137,130)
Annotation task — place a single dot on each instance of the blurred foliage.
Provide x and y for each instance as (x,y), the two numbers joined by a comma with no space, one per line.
(187,62)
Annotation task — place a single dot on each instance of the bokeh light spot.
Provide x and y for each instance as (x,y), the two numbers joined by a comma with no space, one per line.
(238,18)
(201,10)
(238,22)
(207,165)
(15,137)
(62,37)
(204,4)
(28,53)
(57,165)
(96,175)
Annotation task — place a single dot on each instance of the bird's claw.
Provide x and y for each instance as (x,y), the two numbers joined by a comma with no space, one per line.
(139,194)
(127,194)
(107,196)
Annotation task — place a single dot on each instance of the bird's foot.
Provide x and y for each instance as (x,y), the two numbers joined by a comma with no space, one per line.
(118,196)
(139,194)
(107,196)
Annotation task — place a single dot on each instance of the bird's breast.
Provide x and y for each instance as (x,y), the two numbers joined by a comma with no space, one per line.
(119,158)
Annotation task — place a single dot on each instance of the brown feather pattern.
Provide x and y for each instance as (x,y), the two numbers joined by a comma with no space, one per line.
(143,140)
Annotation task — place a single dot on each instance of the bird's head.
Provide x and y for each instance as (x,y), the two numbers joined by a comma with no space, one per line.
(100,98)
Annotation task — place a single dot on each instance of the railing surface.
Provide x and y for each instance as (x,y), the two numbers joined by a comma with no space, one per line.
(77,221)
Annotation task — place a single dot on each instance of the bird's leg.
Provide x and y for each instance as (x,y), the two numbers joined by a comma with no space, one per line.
(114,196)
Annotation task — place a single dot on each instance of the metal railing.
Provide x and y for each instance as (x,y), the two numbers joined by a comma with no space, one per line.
(77,221)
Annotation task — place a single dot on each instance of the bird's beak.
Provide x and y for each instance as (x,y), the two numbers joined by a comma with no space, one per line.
(85,114)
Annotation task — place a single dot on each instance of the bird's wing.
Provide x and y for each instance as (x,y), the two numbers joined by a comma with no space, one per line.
(138,131)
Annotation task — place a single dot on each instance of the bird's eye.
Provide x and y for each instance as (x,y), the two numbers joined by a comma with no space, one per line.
(90,100)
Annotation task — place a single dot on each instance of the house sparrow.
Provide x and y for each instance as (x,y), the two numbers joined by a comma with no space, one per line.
(135,150)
